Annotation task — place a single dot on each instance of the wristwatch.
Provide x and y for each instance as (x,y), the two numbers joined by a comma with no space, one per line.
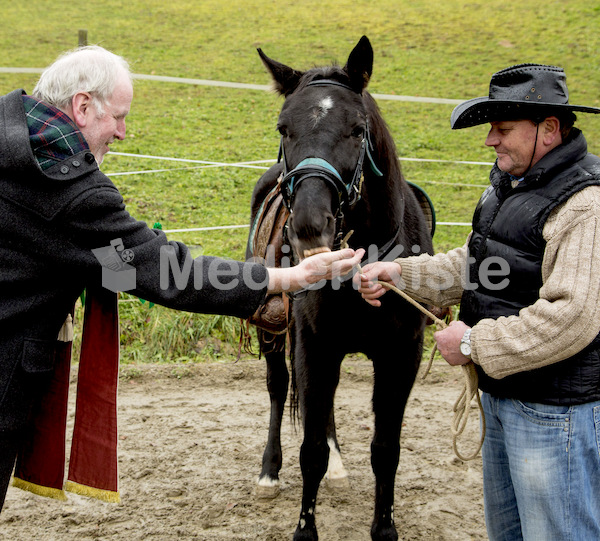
(465,344)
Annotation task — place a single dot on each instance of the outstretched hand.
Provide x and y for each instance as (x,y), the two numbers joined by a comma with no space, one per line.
(385,271)
(328,265)
(322,266)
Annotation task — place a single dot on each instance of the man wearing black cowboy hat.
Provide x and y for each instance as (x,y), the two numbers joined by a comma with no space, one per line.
(530,307)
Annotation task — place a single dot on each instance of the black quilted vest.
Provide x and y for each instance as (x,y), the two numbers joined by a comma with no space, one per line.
(508,224)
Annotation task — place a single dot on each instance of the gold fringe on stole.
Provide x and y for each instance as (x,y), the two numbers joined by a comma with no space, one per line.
(83,490)
(48,492)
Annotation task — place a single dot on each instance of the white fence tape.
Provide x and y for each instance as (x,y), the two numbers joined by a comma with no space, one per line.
(214,228)
(246,86)
(252,164)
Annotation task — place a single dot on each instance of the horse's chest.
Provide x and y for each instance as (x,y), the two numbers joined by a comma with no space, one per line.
(343,316)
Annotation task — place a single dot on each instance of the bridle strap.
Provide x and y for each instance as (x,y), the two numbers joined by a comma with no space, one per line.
(330,82)
(314,167)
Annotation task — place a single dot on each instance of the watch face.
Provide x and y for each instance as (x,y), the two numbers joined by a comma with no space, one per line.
(465,349)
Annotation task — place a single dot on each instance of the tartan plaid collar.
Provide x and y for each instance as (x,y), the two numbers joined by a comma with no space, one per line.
(52,134)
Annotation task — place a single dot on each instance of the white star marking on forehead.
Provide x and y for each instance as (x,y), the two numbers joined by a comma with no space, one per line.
(319,112)
(325,104)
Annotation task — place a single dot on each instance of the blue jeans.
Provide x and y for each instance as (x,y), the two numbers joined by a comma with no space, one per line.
(541,471)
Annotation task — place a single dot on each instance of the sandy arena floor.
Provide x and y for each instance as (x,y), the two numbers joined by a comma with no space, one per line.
(191,441)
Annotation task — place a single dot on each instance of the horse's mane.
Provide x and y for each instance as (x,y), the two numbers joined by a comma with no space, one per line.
(385,153)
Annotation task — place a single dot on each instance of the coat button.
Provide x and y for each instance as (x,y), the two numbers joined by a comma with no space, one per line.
(64,169)
(89,157)
(76,163)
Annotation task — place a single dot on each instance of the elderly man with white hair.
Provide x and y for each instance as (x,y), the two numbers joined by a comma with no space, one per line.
(57,210)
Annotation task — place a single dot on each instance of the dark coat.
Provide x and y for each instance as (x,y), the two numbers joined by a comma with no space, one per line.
(49,223)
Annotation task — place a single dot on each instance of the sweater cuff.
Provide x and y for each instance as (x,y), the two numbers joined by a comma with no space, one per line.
(410,273)
(473,338)
(413,277)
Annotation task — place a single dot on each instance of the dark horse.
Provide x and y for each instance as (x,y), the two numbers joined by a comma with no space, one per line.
(339,172)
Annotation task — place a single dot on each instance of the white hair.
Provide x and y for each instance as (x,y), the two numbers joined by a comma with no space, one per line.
(90,69)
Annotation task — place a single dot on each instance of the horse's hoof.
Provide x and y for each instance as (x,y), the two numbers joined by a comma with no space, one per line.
(336,476)
(387,533)
(337,483)
(305,534)
(267,489)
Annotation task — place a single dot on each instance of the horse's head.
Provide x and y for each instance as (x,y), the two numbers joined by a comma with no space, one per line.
(324,142)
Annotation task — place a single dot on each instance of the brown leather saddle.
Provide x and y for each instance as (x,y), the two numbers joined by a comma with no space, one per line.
(266,241)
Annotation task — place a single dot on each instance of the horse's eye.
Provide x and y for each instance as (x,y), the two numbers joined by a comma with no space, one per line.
(282,130)
(358,132)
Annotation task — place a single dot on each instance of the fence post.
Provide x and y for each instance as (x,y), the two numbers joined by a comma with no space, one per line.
(83,38)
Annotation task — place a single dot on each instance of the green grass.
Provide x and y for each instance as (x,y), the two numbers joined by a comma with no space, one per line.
(425,48)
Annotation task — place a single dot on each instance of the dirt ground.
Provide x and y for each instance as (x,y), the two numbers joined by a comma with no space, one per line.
(191,442)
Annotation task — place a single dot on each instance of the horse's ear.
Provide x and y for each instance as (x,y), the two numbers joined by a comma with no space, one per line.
(285,79)
(360,65)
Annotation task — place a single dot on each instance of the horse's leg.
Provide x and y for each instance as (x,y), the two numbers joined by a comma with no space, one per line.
(336,476)
(390,394)
(277,385)
(317,381)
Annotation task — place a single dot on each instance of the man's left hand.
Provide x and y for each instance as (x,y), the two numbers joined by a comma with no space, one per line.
(448,342)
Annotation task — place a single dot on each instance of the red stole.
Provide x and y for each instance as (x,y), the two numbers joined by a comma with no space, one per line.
(93,459)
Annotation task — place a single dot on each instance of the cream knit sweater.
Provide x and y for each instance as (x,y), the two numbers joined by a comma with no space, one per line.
(564,320)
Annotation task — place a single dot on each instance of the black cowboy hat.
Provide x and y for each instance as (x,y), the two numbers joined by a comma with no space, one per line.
(519,92)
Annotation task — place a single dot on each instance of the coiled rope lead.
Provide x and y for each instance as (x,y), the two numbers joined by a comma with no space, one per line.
(462,406)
